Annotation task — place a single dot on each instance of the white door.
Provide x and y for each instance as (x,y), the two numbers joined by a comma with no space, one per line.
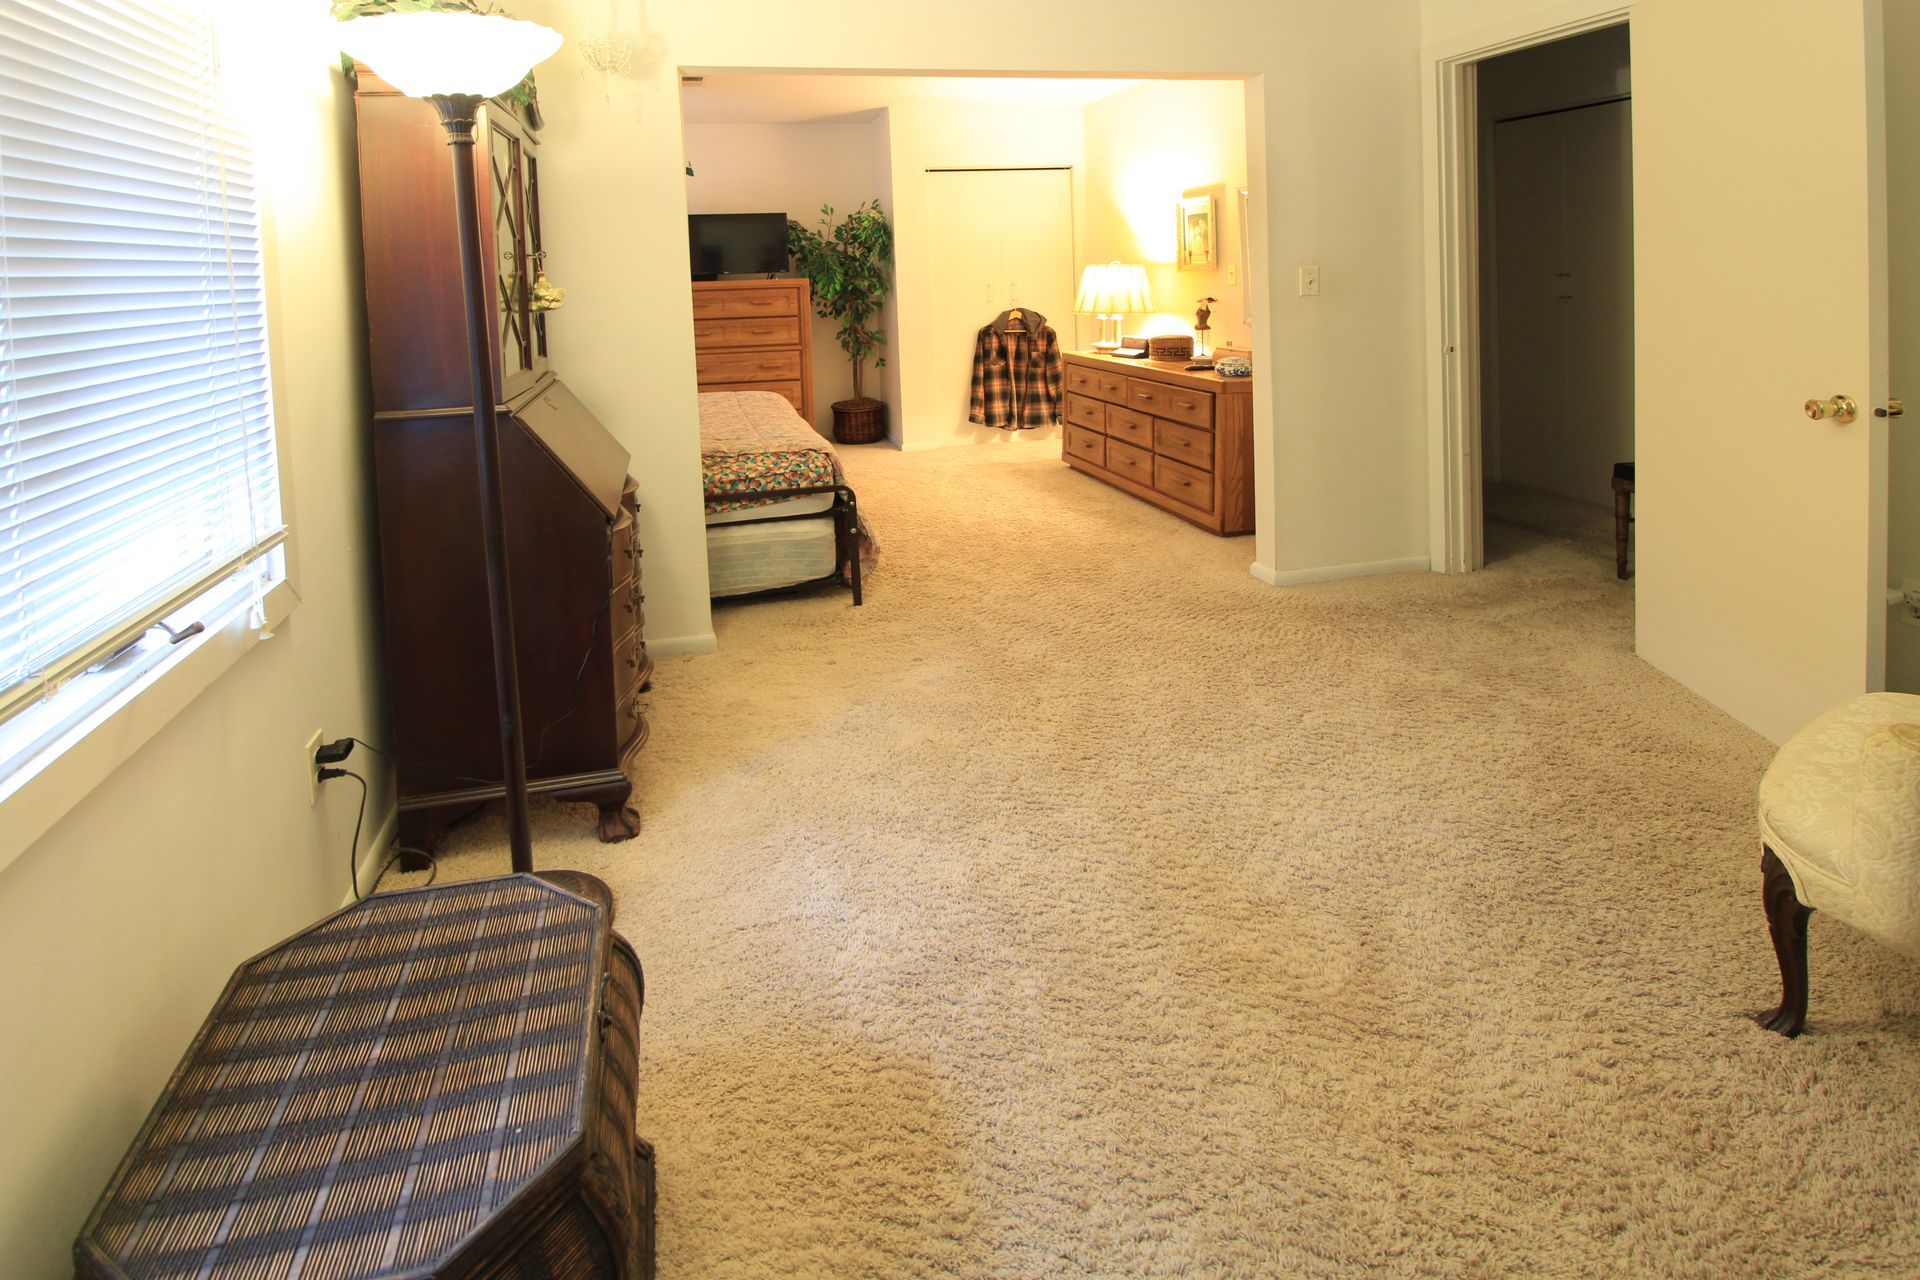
(1759,213)
(998,238)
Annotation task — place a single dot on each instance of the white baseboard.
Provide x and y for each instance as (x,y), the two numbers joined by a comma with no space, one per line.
(1333,572)
(701,642)
(376,855)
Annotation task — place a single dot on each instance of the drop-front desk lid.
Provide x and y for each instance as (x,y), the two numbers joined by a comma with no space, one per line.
(554,417)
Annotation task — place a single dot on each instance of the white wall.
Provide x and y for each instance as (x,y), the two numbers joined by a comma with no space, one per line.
(119,927)
(792,169)
(1334,121)
(1145,147)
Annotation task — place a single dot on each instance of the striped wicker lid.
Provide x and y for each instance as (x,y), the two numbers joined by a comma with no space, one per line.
(366,1095)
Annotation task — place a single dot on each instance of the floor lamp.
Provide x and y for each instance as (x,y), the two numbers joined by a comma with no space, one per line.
(456,61)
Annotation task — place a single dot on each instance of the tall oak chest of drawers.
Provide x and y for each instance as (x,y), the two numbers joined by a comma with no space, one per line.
(755,335)
(1180,440)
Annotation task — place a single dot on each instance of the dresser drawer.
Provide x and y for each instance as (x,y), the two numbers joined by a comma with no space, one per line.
(1079,443)
(626,609)
(773,331)
(632,726)
(729,304)
(1192,407)
(791,390)
(1183,483)
(1135,464)
(1130,425)
(631,665)
(747,366)
(1185,444)
(1110,386)
(1082,380)
(1083,412)
(624,551)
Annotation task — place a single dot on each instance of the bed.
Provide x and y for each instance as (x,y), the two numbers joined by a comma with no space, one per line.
(780,515)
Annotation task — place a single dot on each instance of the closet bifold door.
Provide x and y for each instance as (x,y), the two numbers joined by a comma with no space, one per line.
(1006,239)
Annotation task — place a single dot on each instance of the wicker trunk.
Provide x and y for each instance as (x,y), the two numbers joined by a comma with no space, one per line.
(439,1082)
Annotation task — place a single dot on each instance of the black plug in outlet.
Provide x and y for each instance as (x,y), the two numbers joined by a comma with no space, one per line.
(333,752)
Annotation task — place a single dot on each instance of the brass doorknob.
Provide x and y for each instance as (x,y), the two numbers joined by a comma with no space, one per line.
(1894,409)
(1838,409)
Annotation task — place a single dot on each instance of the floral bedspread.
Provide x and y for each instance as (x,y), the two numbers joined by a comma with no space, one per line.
(753,442)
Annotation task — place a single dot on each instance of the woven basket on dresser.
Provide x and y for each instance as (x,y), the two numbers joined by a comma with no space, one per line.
(862,420)
(438,1082)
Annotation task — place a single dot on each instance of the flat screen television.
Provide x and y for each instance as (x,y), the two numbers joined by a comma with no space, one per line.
(737,244)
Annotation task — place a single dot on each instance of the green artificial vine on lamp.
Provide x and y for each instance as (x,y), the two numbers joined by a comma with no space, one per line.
(850,264)
(525,94)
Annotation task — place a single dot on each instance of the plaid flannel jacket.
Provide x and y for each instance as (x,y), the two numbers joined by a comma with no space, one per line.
(1018,379)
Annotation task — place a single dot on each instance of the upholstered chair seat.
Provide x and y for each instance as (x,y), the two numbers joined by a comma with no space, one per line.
(1840,831)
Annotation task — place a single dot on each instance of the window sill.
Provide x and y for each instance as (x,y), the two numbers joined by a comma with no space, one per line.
(48,785)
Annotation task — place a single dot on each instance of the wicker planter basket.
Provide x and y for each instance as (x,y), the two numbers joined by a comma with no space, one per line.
(859,421)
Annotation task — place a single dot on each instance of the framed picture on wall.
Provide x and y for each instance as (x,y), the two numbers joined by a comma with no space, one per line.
(1199,236)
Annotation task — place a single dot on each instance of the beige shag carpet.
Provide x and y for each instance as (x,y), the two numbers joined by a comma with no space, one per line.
(1083,907)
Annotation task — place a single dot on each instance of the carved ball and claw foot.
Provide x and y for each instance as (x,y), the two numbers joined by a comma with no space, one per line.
(618,821)
(1787,922)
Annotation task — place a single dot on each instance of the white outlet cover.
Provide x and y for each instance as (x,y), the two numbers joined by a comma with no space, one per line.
(313,770)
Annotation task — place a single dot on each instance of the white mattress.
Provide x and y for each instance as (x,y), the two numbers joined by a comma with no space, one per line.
(759,557)
(785,507)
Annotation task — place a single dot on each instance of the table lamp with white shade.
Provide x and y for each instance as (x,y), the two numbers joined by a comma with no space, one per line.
(456,61)
(1109,291)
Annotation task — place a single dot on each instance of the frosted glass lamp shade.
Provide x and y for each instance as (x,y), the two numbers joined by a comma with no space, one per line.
(1113,289)
(426,55)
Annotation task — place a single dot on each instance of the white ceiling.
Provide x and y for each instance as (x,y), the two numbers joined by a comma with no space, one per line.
(801,98)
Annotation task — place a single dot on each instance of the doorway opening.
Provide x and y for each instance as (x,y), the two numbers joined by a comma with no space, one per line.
(1555,132)
(1534,426)
(1000,191)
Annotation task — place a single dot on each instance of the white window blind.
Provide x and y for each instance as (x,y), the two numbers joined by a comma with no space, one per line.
(137,461)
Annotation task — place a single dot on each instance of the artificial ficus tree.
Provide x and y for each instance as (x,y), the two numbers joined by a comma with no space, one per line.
(850,264)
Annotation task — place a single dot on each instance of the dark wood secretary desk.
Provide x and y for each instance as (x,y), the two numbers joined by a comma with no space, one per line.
(571,546)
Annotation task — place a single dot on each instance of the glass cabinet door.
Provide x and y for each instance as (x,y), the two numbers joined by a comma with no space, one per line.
(536,255)
(506,162)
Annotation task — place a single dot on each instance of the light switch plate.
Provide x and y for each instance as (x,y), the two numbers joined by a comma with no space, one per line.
(1309,282)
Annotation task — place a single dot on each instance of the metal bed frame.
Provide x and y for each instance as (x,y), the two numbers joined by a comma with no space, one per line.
(846,535)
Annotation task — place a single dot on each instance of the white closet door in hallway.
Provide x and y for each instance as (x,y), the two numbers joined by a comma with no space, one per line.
(1000,238)
(1561,328)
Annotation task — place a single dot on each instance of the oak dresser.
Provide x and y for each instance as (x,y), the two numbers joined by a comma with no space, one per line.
(755,335)
(1181,440)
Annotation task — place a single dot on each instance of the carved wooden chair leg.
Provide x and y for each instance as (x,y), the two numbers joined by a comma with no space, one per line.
(1787,922)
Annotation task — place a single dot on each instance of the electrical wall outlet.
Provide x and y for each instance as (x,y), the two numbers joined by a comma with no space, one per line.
(1309,282)
(312,766)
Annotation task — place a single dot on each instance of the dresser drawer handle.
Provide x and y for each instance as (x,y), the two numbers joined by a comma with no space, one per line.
(1186,404)
(1143,395)
(772,365)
